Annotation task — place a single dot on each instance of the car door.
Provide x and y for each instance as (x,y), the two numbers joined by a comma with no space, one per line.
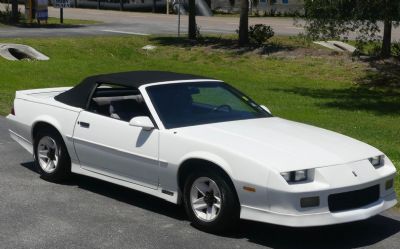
(114,148)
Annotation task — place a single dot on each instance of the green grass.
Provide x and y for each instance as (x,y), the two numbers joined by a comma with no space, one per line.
(53,20)
(316,90)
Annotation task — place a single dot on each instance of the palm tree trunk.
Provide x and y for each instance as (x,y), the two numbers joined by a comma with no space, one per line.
(244,23)
(192,19)
(387,39)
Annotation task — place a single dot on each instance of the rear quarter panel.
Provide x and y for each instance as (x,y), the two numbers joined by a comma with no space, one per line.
(29,112)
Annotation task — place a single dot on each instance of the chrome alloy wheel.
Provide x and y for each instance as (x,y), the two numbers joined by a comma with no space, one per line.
(48,154)
(205,199)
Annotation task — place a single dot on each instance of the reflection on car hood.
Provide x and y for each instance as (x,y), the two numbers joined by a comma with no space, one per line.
(282,144)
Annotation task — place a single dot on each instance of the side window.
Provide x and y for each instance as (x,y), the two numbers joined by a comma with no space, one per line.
(118,102)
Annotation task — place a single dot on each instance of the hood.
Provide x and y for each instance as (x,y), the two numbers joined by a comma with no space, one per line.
(282,144)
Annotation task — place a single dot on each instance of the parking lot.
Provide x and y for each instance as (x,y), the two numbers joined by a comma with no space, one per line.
(88,213)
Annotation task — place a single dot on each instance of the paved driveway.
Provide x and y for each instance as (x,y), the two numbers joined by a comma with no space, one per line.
(88,213)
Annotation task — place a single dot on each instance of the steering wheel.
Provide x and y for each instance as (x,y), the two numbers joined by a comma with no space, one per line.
(220,107)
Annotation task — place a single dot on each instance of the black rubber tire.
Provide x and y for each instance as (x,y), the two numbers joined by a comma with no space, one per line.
(230,209)
(63,167)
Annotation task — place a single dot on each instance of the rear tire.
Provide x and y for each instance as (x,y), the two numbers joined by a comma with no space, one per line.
(211,202)
(51,156)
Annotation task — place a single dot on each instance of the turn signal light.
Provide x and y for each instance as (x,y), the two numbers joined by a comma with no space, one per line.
(389,184)
(307,202)
(249,189)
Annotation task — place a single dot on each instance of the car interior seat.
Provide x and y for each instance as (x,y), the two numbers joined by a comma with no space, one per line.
(126,109)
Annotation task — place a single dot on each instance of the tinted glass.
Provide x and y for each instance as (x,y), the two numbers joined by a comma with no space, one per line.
(187,104)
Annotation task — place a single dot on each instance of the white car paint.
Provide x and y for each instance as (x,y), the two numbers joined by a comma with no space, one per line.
(252,152)
(113,146)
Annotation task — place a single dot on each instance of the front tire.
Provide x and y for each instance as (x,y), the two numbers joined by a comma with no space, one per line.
(51,156)
(210,202)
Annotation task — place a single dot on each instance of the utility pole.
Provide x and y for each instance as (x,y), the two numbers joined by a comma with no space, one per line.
(167,7)
(179,18)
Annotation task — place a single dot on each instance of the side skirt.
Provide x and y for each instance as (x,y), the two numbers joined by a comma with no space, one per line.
(22,141)
(160,192)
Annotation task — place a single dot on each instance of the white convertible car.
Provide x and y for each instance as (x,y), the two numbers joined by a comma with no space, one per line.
(200,142)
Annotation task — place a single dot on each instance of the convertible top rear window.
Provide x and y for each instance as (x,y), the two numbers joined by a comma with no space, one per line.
(187,104)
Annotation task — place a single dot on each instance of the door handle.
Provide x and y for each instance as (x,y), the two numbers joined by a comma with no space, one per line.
(83,124)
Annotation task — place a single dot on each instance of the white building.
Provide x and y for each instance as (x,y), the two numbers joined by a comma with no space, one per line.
(274,6)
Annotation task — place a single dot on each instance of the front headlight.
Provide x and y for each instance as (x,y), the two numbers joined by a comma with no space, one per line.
(377,161)
(295,176)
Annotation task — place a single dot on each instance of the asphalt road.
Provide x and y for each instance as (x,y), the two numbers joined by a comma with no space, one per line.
(88,213)
(117,22)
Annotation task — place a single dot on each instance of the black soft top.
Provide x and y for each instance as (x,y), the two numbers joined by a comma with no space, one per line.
(79,95)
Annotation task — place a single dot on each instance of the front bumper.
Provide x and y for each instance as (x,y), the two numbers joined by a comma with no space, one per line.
(319,219)
(283,201)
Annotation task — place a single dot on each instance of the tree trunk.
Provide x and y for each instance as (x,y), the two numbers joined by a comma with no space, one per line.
(154,6)
(14,11)
(244,23)
(387,39)
(192,19)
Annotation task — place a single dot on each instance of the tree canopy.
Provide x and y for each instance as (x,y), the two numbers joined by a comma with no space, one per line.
(331,19)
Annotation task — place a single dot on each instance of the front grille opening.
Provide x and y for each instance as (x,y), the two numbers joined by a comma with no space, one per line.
(353,199)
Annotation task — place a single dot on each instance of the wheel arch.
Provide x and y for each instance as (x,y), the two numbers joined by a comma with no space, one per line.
(42,123)
(63,167)
(191,163)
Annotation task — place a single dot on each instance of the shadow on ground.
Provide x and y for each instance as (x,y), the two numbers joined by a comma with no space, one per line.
(121,194)
(376,100)
(382,73)
(220,43)
(351,235)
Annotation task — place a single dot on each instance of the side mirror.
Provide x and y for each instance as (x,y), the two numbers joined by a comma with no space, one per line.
(142,121)
(265,109)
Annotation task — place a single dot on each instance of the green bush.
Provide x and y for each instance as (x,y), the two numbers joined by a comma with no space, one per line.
(260,33)
(396,49)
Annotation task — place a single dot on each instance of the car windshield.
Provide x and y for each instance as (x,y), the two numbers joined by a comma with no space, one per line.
(187,104)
